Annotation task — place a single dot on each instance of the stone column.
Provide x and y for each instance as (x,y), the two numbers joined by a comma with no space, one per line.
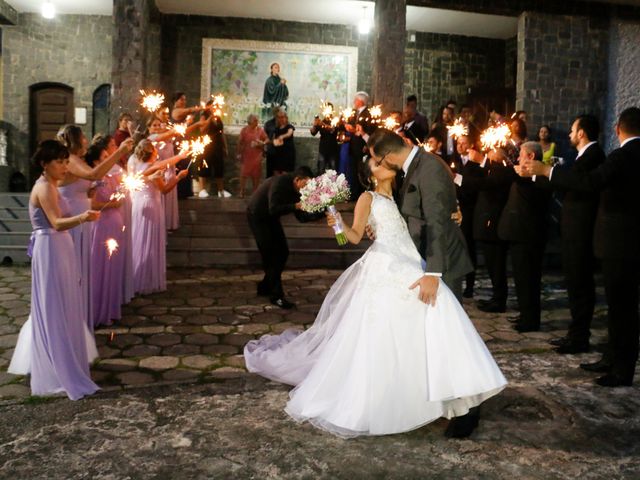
(135,23)
(388,53)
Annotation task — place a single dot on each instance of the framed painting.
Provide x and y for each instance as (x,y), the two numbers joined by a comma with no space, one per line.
(255,76)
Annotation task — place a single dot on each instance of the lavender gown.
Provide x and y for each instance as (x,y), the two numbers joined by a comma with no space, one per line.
(170,199)
(75,196)
(149,235)
(125,247)
(107,270)
(55,345)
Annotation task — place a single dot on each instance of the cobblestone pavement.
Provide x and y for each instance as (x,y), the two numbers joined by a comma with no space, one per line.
(177,398)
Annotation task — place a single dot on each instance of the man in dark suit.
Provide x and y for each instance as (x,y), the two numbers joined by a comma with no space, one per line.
(427,200)
(420,118)
(523,223)
(448,140)
(411,128)
(490,177)
(270,130)
(616,242)
(467,199)
(577,223)
(359,126)
(275,197)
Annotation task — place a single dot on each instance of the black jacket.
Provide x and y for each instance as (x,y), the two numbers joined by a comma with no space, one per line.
(524,217)
(617,228)
(275,197)
(416,133)
(492,188)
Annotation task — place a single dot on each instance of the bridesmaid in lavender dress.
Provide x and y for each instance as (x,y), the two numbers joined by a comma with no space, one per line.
(148,229)
(54,344)
(75,188)
(162,138)
(107,266)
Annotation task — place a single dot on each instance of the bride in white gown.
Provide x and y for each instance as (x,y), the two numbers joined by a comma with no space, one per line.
(377,360)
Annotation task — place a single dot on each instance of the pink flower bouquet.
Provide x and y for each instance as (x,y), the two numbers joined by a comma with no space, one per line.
(324,192)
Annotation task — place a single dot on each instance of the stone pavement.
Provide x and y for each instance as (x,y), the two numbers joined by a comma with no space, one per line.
(177,398)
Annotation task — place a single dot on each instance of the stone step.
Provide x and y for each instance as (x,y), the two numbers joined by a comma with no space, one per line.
(190,217)
(15,253)
(14,199)
(247,242)
(298,257)
(14,213)
(15,239)
(231,204)
(15,225)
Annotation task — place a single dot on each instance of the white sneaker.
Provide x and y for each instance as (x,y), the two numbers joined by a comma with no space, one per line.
(203,194)
(225,194)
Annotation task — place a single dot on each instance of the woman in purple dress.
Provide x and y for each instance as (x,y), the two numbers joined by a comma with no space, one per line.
(148,220)
(76,189)
(107,260)
(55,345)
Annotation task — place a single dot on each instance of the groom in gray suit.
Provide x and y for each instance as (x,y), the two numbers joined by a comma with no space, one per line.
(426,200)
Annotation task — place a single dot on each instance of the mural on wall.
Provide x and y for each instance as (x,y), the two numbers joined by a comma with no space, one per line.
(255,76)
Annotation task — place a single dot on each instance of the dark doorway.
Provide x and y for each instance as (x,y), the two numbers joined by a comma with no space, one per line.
(51,106)
(101,109)
(483,99)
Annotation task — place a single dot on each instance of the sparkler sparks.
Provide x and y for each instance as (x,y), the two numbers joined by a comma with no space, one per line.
(390,123)
(458,129)
(376,111)
(427,147)
(327,110)
(495,137)
(151,101)
(112,246)
(180,129)
(347,113)
(335,121)
(132,183)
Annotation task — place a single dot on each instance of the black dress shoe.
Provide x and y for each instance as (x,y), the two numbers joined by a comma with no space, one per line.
(492,307)
(526,328)
(558,342)
(598,367)
(573,347)
(613,380)
(282,303)
(515,320)
(462,427)
(468,293)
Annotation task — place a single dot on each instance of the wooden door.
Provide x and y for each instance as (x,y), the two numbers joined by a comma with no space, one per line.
(51,108)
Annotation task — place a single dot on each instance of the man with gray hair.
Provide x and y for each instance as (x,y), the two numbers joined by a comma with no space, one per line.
(523,224)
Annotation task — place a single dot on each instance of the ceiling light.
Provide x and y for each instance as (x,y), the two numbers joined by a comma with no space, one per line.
(363,25)
(48,10)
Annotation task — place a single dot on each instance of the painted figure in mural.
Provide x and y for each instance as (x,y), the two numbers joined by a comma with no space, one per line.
(276,91)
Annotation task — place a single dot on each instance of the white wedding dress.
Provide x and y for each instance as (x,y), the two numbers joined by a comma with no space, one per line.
(377,360)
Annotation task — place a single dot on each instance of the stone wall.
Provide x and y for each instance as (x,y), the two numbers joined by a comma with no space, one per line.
(70,49)
(624,74)
(182,44)
(439,67)
(562,69)
(510,62)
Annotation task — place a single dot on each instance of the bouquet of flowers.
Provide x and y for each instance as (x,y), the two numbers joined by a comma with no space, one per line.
(324,192)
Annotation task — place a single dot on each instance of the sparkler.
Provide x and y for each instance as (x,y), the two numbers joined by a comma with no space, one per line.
(151,101)
(132,183)
(112,246)
(180,129)
(376,111)
(347,113)
(327,110)
(427,147)
(458,129)
(390,123)
(495,137)
(335,121)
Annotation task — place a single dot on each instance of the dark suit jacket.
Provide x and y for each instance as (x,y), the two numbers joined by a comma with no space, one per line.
(579,208)
(275,197)
(493,191)
(427,200)
(524,217)
(415,133)
(357,144)
(617,228)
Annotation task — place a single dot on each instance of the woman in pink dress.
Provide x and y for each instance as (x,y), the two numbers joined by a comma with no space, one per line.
(148,219)
(76,189)
(250,151)
(107,265)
